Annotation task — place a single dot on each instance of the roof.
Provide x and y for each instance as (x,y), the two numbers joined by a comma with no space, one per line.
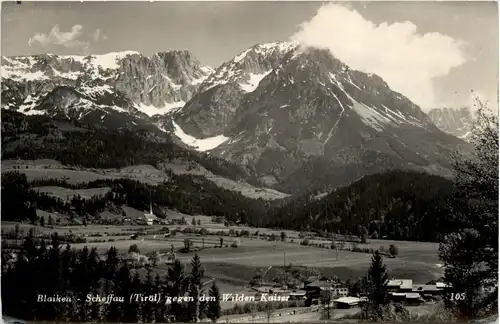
(425,288)
(413,295)
(348,300)
(402,283)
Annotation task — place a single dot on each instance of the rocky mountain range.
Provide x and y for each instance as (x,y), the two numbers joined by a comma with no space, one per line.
(457,122)
(304,119)
(298,117)
(126,86)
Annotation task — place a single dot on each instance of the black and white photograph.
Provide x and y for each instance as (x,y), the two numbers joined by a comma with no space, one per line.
(249,161)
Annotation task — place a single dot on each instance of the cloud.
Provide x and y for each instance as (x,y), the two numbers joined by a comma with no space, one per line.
(406,60)
(68,39)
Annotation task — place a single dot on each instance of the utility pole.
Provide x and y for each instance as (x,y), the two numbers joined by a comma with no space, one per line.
(284,268)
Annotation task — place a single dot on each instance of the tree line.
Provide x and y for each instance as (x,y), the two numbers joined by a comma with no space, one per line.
(394,205)
(189,194)
(49,269)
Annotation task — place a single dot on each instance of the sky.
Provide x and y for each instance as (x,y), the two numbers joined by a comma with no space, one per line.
(436,53)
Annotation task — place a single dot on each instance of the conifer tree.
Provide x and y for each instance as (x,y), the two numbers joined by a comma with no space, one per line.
(377,286)
(159,314)
(213,307)
(137,306)
(195,287)
(124,288)
(177,283)
(148,309)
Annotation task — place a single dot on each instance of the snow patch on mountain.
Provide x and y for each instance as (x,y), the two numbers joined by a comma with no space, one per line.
(109,61)
(169,107)
(16,73)
(205,144)
(241,69)
(95,90)
(370,115)
(253,82)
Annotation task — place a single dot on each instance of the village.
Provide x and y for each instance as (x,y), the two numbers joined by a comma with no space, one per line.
(159,242)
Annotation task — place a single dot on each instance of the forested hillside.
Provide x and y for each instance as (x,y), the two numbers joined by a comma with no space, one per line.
(188,194)
(395,204)
(73,143)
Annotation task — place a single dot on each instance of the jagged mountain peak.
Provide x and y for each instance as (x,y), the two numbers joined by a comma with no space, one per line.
(294,74)
(154,85)
(286,109)
(455,121)
(266,49)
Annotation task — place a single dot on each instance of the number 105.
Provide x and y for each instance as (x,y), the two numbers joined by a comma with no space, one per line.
(457,296)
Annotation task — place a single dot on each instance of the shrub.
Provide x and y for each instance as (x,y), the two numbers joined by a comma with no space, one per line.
(393,250)
(133,249)
(304,242)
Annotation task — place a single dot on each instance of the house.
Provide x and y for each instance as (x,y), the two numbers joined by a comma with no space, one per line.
(413,299)
(423,290)
(298,294)
(320,288)
(400,285)
(316,289)
(407,298)
(397,297)
(347,302)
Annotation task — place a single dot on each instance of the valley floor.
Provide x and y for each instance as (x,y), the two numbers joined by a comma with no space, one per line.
(233,268)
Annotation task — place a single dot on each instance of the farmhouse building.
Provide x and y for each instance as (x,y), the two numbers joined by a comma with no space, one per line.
(423,290)
(298,294)
(400,285)
(319,288)
(348,302)
(407,298)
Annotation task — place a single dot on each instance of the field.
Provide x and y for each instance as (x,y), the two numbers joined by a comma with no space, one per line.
(416,260)
(67,194)
(51,169)
(233,268)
